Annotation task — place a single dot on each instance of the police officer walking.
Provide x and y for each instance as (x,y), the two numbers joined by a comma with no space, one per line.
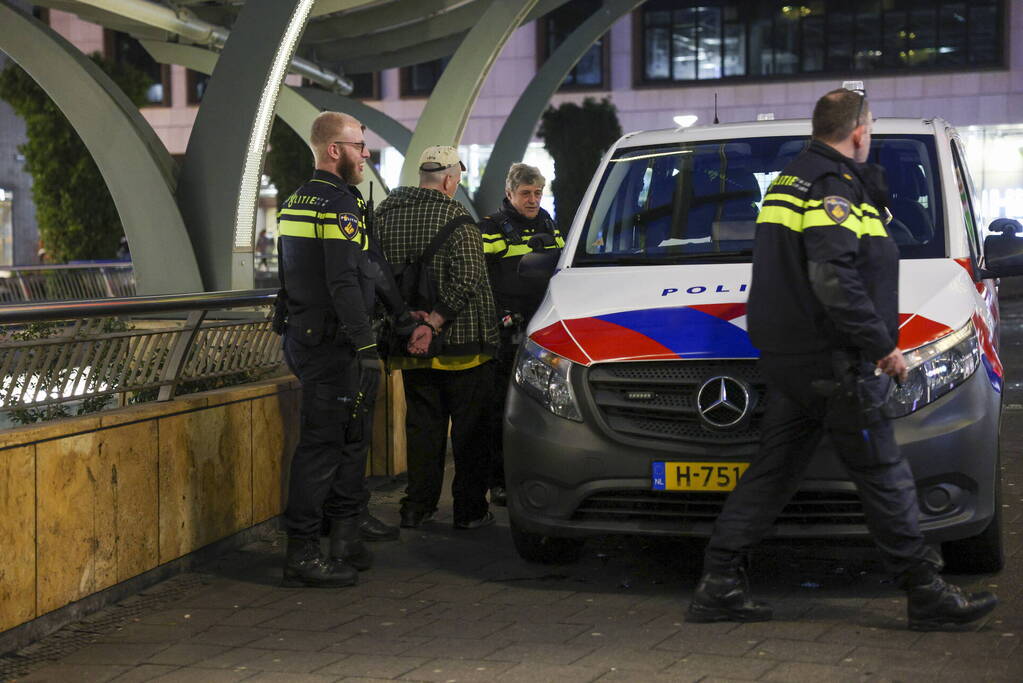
(520,227)
(823,310)
(328,284)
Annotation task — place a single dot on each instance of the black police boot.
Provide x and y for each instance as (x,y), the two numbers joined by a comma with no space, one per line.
(725,596)
(305,566)
(346,547)
(933,605)
(372,529)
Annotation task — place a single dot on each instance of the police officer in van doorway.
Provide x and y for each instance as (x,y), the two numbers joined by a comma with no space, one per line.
(328,287)
(520,227)
(823,310)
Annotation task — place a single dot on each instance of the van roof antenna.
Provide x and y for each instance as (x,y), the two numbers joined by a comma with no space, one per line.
(716,108)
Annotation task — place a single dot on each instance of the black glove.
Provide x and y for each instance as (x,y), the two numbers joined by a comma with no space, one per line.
(369,359)
(540,241)
(405,323)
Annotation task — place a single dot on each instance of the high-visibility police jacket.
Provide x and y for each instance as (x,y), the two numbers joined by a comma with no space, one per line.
(506,234)
(324,264)
(825,270)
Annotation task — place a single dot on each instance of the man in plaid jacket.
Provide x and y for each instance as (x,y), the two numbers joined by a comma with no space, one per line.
(457,384)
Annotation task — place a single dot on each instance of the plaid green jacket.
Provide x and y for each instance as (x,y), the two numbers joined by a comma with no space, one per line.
(405,223)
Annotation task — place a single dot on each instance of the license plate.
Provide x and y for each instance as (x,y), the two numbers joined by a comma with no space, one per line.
(697,476)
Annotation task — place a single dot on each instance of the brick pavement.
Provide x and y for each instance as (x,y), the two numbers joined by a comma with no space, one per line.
(445,605)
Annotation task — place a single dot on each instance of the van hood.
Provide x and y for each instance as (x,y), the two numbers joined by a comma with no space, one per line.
(637,313)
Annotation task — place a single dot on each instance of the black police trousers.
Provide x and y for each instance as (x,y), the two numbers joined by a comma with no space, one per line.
(796,417)
(329,466)
(433,398)
(504,370)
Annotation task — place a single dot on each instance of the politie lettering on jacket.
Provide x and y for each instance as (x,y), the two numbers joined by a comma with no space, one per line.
(703,289)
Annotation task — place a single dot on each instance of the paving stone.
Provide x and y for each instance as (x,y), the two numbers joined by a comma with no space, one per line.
(394,607)
(459,648)
(536,614)
(251,616)
(185,654)
(800,651)
(313,599)
(308,620)
(149,633)
(789,630)
(390,589)
(143,673)
(79,673)
(373,666)
(383,627)
(230,636)
(274,677)
(876,659)
(120,654)
(802,672)
(691,642)
(714,665)
(198,617)
(990,643)
(895,638)
(471,593)
(543,633)
(293,661)
(453,628)
(634,675)
(546,653)
(461,670)
(233,658)
(305,641)
(622,636)
(608,658)
(377,645)
(474,611)
(538,671)
(517,595)
(192,675)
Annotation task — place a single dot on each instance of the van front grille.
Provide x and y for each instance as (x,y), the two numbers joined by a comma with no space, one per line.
(657,400)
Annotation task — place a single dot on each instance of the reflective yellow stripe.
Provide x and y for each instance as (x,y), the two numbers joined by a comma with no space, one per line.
(493,247)
(782,215)
(516,250)
(298,212)
(558,242)
(863,221)
(787,198)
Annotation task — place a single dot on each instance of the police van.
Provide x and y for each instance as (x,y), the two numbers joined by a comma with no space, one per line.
(636,402)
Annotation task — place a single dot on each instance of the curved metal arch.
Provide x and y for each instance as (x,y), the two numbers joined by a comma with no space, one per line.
(134,163)
(518,128)
(447,111)
(219,179)
(370,20)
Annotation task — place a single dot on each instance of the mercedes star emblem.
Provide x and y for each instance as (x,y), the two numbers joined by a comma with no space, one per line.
(723,402)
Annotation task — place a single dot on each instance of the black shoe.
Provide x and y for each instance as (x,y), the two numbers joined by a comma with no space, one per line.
(726,597)
(305,566)
(413,519)
(485,520)
(347,547)
(498,496)
(372,529)
(934,605)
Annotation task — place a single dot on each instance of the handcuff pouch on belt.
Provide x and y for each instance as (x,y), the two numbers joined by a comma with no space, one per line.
(853,397)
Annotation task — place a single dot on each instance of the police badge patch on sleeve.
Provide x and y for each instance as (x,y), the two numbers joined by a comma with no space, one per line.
(837,208)
(349,224)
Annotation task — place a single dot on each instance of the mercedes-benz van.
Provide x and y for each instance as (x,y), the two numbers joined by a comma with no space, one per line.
(636,401)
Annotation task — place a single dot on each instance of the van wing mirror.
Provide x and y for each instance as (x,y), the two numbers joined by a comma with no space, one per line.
(538,267)
(1003,249)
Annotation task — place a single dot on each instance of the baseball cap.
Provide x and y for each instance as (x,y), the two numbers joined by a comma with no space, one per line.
(438,158)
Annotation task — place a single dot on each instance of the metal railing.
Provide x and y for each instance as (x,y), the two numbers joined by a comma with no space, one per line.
(62,282)
(64,352)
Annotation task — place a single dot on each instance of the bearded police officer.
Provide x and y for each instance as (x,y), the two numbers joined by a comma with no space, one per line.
(520,227)
(329,284)
(823,310)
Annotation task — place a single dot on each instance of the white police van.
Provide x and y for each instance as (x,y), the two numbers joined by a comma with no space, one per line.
(636,402)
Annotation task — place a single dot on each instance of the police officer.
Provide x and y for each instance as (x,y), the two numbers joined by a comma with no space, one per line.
(329,284)
(823,310)
(520,227)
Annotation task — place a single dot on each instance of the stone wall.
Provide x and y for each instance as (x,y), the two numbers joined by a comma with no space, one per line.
(89,502)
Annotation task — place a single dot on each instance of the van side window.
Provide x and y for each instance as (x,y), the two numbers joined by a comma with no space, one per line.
(968,198)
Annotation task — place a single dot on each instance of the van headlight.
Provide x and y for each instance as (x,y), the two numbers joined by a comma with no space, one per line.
(934,370)
(544,376)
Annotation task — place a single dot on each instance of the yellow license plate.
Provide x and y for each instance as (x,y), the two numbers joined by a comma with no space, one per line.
(697,476)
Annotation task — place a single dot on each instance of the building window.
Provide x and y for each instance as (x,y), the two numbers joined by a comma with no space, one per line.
(366,86)
(196,83)
(123,49)
(684,41)
(590,72)
(419,80)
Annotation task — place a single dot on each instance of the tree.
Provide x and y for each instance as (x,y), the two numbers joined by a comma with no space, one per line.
(76,215)
(289,162)
(577,137)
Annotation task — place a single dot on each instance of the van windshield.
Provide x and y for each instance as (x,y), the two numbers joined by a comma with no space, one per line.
(698,202)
